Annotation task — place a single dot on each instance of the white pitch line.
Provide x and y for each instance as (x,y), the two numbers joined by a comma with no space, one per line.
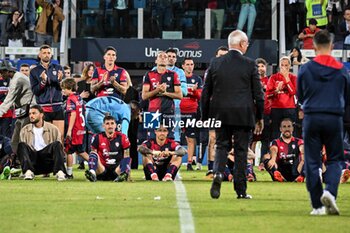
(185,213)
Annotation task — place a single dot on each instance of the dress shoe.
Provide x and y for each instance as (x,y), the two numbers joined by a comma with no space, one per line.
(216,185)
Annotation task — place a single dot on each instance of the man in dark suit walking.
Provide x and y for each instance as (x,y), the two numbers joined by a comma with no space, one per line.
(231,93)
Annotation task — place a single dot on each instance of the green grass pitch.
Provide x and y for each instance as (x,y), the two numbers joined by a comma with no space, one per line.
(45,205)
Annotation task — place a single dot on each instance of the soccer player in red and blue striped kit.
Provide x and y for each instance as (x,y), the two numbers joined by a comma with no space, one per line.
(286,158)
(162,156)
(109,157)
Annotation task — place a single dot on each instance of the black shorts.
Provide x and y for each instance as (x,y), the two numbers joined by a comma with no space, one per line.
(160,170)
(289,172)
(54,116)
(108,174)
(190,131)
(76,149)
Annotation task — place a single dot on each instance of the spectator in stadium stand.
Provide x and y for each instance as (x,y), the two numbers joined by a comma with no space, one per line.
(297,57)
(207,137)
(161,86)
(19,95)
(344,27)
(233,100)
(308,34)
(29,14)
(189,108)
(121,15)
(6,9)
(323,91)
(84,85)
(162,156)
(109,157)
(218,13)
(172,58)
(15,29)
(316,9)
(266,134)
(45,80)
(47,27)
(109,79)
(74,138)
(25,69)
(40,149)
(286,159)
(281,90)
(247,15)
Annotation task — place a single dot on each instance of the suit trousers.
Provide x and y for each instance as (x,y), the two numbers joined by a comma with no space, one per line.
(224,136)
(50,159)
(323,129)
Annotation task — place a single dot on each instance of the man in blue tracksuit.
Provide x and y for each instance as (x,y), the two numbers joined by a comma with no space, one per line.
(323,88)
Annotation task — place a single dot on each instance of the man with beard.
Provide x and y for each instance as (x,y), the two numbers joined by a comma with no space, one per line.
(109,157)
(45,80)
(40,149)
(162,156)
(286,159)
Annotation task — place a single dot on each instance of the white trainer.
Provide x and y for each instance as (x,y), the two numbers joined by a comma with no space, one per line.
(29,175)
(60,176)
(199,167)
(328,200)
(318,211)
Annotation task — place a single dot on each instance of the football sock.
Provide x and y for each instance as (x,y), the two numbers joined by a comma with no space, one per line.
(93,161)
(150,168)
(227,172)
(172,169)
(202,148)
(210,165)
(69,171)
(125,165)
(249,168)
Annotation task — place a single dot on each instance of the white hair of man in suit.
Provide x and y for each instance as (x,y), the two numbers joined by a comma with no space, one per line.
(238,40)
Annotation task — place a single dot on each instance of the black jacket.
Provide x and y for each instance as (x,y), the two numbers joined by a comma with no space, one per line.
(15,32)
(232,91)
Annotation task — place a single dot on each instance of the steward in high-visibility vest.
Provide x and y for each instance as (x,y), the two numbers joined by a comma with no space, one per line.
(316,9)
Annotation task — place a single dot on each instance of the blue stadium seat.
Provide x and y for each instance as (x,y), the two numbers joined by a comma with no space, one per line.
(29,61)
(347,65)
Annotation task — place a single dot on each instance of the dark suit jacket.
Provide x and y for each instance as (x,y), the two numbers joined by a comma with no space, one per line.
(342,29)
(232,91)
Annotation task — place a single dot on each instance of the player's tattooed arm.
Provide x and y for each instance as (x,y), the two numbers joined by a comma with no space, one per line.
(144,150)
(180,151)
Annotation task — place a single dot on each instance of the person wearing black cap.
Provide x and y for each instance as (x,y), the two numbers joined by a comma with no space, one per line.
(308,34)
(109,79)
(20,95)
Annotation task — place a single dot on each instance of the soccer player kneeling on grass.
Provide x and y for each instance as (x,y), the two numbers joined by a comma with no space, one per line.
(109,157)
(286,159)
(162,157)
